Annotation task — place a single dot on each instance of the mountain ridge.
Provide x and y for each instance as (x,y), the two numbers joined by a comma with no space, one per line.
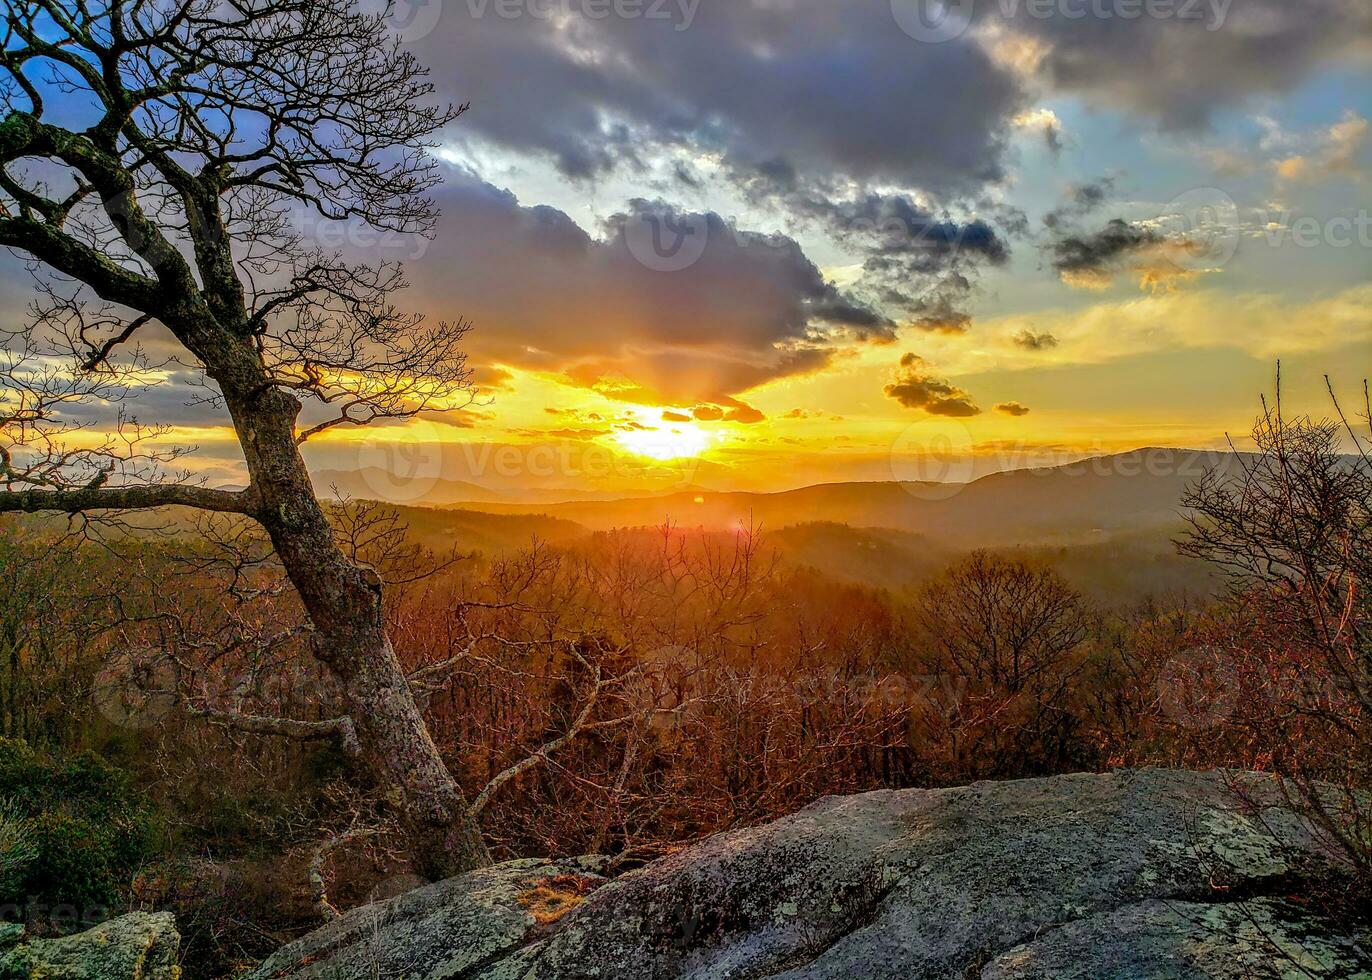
(1140,488)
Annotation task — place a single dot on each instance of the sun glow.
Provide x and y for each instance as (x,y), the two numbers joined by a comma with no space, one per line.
(665,442)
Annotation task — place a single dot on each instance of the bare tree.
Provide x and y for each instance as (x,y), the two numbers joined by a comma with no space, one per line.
(1292,528)
(1013,631)
(1003,621)
(155,156)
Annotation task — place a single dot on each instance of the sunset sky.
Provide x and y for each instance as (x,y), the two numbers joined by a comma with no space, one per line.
(1009,237)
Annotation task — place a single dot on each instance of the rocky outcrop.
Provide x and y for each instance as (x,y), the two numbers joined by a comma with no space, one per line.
(450,929)
(137,946)
(1126,875)
(1164,940)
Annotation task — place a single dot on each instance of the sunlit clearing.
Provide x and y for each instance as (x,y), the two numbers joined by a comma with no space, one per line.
(665,442)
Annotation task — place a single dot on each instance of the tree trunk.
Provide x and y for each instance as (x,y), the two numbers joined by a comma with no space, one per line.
(343,601)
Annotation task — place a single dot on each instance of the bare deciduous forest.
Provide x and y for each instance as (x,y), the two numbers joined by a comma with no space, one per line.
(259,706)
(643,690)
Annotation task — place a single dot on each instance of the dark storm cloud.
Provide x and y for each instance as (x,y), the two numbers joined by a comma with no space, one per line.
(745,414)
(1103,253)
(837,85)
(809,105)
(919,264)
(914,387)
(727,311)
(1080,200)
(1012,408)
(1180,67)
(844,90)
(180,398)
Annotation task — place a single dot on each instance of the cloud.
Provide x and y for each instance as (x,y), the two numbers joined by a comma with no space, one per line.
(1273,326)
(1012,408)
(178,397)
(544,295)
(594,93)
(574,434)
(745,414)
(1093,261)
(1045,123)
(1337,152)
(1182,68)
(1030,340)
(919,265)
(670,416)
(1080,200)
(490,378)
(913,387)
(830,82)
(838,120)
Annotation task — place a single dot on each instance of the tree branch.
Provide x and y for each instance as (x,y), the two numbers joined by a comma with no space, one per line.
(339,728)
(527,763)
(79,500)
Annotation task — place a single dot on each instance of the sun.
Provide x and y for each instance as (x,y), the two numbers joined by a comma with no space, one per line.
(663,442)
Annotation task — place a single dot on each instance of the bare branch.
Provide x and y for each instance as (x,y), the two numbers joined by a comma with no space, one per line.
(128,498)
(341,729)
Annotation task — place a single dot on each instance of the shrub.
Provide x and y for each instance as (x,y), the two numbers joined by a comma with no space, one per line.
(77,831)
(17,850)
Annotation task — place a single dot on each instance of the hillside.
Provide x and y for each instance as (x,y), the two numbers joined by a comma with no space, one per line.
(1130,491)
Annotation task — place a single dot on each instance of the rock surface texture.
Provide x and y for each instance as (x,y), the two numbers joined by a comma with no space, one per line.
(137,946)
(1125,876)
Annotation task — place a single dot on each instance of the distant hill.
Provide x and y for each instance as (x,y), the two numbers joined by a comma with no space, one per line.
(491,534)
(881,557)
(1125,492)
(374,483)
(1109,567)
